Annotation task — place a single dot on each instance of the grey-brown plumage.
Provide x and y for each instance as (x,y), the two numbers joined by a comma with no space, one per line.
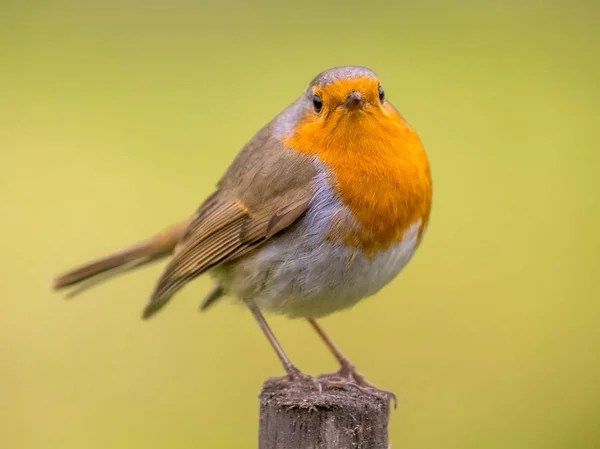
(338,73)
(152,249)
(267,188)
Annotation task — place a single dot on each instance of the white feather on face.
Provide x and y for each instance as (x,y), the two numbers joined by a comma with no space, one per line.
(301,273)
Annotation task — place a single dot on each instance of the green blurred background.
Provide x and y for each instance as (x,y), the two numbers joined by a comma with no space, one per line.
(118,118)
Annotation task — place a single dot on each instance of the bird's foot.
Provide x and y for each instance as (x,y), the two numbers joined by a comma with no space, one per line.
(295,375)
(348,377)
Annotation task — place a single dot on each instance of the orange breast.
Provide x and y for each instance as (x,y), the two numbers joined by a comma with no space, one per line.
(381,171)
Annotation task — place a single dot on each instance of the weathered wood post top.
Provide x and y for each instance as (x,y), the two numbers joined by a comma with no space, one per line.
(295,415)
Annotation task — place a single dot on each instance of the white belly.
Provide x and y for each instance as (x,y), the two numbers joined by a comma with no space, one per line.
(300,274)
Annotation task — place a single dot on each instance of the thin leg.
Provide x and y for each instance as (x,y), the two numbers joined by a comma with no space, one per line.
(347,371)
(344,362)
(290,369)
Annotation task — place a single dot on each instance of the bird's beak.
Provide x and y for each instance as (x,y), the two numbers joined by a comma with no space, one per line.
(354,101)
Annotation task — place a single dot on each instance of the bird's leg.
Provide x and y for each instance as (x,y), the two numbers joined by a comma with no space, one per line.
(347,371)
(293,373)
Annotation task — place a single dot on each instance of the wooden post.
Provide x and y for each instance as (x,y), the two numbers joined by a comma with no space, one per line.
(297,416)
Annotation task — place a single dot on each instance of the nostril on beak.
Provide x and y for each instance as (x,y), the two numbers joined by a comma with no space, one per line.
(354,99)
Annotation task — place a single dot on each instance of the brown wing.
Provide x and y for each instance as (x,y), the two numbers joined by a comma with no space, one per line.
(267,188)
(221,230)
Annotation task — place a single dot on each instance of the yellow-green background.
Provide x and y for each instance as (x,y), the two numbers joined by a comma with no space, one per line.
(117,118)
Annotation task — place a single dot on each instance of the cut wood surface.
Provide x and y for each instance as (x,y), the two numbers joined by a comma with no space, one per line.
(295,415)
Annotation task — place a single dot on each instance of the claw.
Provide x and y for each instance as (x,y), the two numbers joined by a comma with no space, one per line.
(295,375)
(347,376)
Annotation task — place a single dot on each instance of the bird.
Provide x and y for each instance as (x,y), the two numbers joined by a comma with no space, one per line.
(322,208)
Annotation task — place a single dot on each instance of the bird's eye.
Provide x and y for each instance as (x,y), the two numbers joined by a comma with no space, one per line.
(317,103)
(381,94)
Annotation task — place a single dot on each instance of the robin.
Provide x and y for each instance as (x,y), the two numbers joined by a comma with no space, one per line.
(323,207)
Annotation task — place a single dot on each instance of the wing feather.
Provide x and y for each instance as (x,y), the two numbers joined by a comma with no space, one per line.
(228,231)
(266,189)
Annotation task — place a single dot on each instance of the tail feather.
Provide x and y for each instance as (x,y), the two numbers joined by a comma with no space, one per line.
(154,248)
(210,299)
